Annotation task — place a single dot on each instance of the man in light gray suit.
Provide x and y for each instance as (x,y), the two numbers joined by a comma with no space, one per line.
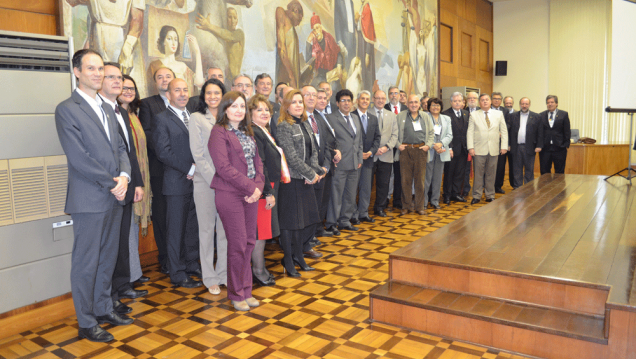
(383,158)
(345,176)
(98,176)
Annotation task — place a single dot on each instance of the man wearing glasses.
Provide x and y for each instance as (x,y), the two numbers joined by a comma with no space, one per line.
(242,83)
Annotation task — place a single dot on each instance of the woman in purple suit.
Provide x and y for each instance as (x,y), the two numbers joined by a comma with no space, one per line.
(238,182)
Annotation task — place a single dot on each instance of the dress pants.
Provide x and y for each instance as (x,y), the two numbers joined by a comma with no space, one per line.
(397,183)
(240,220)
(209,221)
(311,230)
(343,197)
(159,218)
(121,274)
(547,158)
(95,246)
(413,173)
(382,172)
(365,182)
(326,196)
(466,182)
(433,183)
(133,250)
(501,170)
(454,174)
(485,170)
(523,165)
(182,236)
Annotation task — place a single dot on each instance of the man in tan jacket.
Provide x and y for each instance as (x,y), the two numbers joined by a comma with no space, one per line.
(485,129)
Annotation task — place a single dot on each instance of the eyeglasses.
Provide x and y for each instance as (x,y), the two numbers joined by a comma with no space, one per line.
(313,95)
(243,86)
(380,98)
(345,100)
(127,89)
(114,77)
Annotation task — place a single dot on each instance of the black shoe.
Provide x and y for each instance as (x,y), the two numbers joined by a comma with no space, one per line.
(195,273)
(304,267)
(313,254)
(95,334)
(315,242)
(354,221)
(132,293)
(458,199)
(447,200)
(436,206)
(489,200)
(499,190)
(348,228)
(292,272)
(114,319)
(333,230)
(267,283)
(164,269)
(188,283)
(367,219)
(380,213)
(142,279)
(475,200)
(324,233)
(121,308)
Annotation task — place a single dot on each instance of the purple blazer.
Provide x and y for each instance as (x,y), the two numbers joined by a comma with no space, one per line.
(231,166)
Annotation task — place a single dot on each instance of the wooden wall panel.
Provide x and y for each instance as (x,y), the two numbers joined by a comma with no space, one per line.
(48,7)
(23,21)
(446,43)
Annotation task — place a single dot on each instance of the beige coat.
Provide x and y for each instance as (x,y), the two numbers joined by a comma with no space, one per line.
(486,140)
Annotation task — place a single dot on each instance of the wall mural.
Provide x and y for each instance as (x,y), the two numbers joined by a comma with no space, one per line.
(354,44)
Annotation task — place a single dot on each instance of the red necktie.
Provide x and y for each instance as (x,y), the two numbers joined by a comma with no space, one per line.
(313,125)
(395,110)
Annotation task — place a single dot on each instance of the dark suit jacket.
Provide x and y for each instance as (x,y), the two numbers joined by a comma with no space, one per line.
(534,132)
(172,146)
(135,177)
(271,159)
(231,165)
(148,109)
(388,107)
(559,134)
(460,128)
(371,138)
(93,160)
(193,104)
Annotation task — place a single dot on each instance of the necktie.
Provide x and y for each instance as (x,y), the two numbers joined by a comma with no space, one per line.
(551,115)
(458,115)
(185,120)
(314,126)
(351,131)
(117,110)
(364,122)
(487,120)
(105,122)
(395,109)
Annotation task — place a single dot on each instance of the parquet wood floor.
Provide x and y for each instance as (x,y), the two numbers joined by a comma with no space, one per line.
(323,314)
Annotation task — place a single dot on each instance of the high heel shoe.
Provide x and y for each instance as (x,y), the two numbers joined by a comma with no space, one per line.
(303,266)
(266,283)
(291,273)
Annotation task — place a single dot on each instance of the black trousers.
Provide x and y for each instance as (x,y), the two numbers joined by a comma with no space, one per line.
(382,173)
(318,228)
(326,196)
(397,185)
(182,238)
(466,185)
(121,275)
(159,218)
(501,171)
(454,172)
(548,158)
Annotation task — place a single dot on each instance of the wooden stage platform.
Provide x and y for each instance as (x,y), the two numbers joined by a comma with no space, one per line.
(546,270)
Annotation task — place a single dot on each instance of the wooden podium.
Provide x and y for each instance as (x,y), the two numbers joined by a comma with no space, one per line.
(593,159)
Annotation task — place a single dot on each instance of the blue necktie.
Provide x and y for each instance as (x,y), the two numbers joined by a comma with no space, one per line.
(364,122)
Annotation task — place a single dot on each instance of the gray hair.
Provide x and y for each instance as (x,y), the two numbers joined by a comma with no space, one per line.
(393,87)
(497,94)
(455,94)
(364,92)
(554,97)
(510,97)
(241,75)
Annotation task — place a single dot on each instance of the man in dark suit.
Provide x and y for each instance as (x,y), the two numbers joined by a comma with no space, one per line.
(121,286)
(98,177)
(454,170)
(349,135)
(497,99)
(331,101)
(472,105)
(556,137)
(172,145)
(148,109)
(525,140)
(370,145)
(396,107)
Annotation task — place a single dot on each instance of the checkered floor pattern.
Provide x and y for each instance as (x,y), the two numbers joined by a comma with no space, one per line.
(323,314)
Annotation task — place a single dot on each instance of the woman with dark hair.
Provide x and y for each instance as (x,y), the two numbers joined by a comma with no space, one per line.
(238,182)
(297,200)
(439,153)
(201,123)
(169,45)
(260,113)
(129,100)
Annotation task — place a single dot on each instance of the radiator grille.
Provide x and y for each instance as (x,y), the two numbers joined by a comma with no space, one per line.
(29,194)
(6,208)
(57,178)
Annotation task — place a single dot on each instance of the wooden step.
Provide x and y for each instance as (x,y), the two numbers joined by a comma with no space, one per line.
(551,321)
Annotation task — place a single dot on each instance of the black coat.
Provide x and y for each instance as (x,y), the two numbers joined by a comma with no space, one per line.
(271,160)
(559,134)
(460,129)
(402,107)
(534,132)
(172,145)
(135,177)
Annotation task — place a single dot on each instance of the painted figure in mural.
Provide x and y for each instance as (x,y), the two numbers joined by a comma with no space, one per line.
(169,45)
(344,23)
(234,38)
(107,35)
(288,57)
(366,43)
(323,48)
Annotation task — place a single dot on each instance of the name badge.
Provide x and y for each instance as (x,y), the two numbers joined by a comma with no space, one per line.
(438,129)
(417,126)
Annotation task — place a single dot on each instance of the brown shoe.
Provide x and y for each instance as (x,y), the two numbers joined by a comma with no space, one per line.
(312,254)
(404,211)
(421,212)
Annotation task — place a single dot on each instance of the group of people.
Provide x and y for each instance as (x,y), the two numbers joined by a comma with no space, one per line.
(224,171)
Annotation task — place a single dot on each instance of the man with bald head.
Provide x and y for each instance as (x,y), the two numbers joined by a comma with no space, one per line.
(172,146)
(415,136)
